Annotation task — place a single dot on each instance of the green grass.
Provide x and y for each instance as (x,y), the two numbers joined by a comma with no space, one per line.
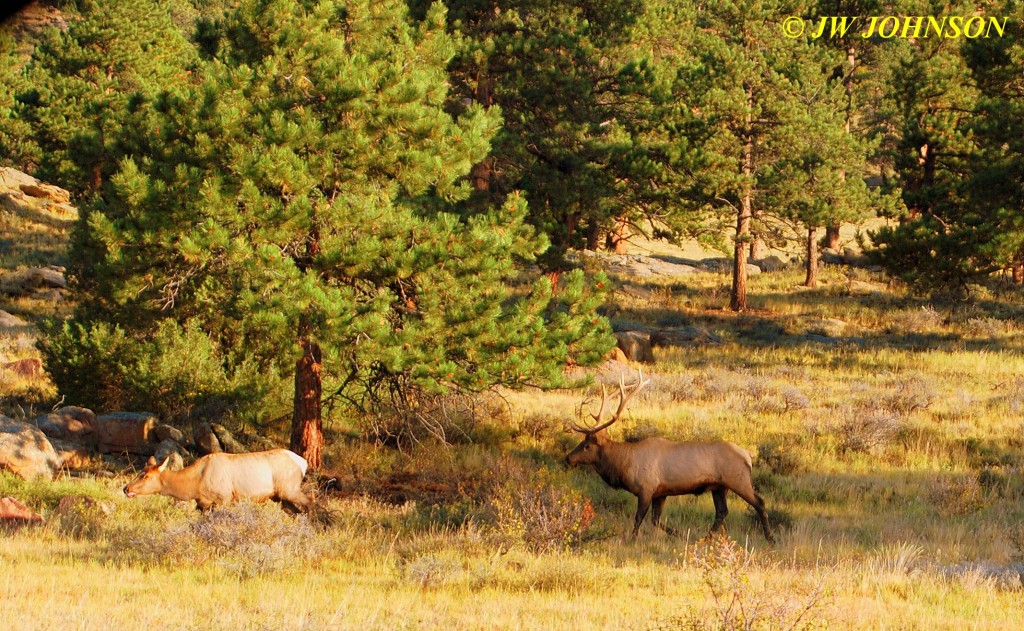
(890,463)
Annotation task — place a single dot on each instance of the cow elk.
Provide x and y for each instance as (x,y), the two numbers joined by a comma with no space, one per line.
(655,468)
(221,478)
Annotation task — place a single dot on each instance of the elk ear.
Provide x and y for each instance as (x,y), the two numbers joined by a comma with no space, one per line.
(163,465)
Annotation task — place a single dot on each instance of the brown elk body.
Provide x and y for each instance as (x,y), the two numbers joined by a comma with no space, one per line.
(656,468)
(220,479)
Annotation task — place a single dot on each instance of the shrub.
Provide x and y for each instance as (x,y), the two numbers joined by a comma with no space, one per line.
(175,372)
(909,394)
(529,508)
(779,458)
(869,431)
(245,539)
(794,399)
(740,603)
(414,416)
(956,495)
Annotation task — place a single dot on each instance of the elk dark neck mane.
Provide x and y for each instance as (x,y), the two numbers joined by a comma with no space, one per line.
(616,461)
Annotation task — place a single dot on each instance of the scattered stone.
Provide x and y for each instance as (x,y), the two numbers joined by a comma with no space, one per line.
(635,345)
(174,453)
(27,281)
(637,291)
(28,368)
(718,264)
(70,504)
(167,432)
(832,257)
(69,423)
(206,441)
(72,455)
(770,264)
(14,179)
(53,193)
(684,336)
(227,441)
(830,327)
(855,258)
(9,321)
(14,513)
(25,450)
(862,288)
(260,443)
(131,432)
(616,355)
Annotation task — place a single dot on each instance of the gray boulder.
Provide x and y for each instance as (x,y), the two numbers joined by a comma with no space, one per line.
(206,440)
(173,452)
(131,432)
(69,423)
(635,345)
(25,450)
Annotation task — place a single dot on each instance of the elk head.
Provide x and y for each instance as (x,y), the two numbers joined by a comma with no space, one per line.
(594,438)
(148,481)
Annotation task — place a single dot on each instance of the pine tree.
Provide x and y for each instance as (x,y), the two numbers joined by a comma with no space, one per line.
(932,98)
(739,116)
(818,178)
(298,201)
(79,81)
(570,87)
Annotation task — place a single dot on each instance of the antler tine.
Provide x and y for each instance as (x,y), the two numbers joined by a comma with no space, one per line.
(604,401)
(597,417)
(624,397)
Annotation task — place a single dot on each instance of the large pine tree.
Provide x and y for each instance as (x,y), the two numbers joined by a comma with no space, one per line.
(299,201)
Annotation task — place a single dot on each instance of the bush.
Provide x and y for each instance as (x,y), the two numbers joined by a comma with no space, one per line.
(529,508)
(956,495)
(869,431)
(739,603)
(245,539)
(909,394)
(176,372)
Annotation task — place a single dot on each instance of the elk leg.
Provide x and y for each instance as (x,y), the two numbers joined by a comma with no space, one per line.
(294,504)
(758,505)
(643,503)
(656,506)
(721,510)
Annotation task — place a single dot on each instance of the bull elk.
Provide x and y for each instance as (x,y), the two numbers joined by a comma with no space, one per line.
(655,468)
(221,478)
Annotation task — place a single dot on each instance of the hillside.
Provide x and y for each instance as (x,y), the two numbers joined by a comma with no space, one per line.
(35,223)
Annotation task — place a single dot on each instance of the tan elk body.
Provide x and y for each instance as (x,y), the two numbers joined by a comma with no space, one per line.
(220,479)
(655,468)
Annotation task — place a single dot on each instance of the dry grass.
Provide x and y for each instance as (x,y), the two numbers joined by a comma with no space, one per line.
(890,462)
(33,232)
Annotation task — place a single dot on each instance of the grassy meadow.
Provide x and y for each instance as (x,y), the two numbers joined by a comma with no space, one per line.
(887,435)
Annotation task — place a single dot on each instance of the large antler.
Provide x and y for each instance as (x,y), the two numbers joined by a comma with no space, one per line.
(624,398)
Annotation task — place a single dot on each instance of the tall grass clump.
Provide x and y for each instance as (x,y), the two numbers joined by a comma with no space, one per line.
(244,539)
(739,601)
(530,508)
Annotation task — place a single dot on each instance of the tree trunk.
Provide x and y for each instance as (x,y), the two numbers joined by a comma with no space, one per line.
(758,248)
(738,297)
(482,173)
(593,234)
(1018,273)
(307,426)
(812,258)
(618,236)
(832,233)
